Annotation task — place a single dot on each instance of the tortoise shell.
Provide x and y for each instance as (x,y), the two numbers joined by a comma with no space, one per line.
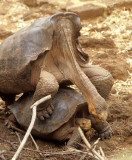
(26,45)
(66,102)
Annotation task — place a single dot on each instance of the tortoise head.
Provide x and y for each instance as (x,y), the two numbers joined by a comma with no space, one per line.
(84,123)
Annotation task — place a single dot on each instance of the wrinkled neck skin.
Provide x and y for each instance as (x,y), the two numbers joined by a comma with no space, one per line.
(68,59)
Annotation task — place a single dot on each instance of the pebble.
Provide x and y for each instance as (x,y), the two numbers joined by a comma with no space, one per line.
(101,54)
(113,91)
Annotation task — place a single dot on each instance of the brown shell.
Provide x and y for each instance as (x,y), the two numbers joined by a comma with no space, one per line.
(18,50)
(65,102)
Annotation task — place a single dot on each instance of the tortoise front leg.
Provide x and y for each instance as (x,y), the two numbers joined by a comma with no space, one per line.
(75,139)
(47,85)
(103,81)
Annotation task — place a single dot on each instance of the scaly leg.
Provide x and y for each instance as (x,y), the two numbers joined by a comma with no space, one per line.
(46,85)
(103,81)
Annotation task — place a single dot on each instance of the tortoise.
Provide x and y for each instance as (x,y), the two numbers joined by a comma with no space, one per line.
(47,54)
(73,112)
(72,109)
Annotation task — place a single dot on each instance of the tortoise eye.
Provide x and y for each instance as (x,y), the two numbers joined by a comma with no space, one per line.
(83,123)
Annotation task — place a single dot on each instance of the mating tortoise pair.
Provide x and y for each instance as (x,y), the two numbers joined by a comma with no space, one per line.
(47,54)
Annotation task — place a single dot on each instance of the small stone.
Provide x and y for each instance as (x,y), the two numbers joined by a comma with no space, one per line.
(30,3)
(129,27)
(113,91)
(90,25)
(107,34)
(128,48)
(101,54)
(126,96)
(124,36)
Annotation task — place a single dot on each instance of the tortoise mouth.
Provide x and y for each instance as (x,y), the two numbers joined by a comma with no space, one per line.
(85,128)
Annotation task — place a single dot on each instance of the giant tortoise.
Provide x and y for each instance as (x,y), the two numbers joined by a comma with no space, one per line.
(70,111)
(45,55)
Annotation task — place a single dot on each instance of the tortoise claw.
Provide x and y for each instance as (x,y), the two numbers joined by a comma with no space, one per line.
(46,111)
(42,118)
(52,107)
(50,110)
(46,115)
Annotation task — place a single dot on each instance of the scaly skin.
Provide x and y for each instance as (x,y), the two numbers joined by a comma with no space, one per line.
(83,123)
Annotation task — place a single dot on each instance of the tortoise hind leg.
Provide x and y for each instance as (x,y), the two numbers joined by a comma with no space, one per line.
(47,85)
(101,79)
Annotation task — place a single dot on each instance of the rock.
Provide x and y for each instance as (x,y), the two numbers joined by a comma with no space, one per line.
(4,33)
(30,3)
(130,53)
(113,91)
(98,43)
(117,4)
(101,54)
(125,95)
(61,4)
(129,27)
(89,10)
(99,29)
(117,69)
(27,16)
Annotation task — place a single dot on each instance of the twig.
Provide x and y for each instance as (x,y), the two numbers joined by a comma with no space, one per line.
(17,129)
(1,154)
(95,154)
(101,151)
(34,108)
(18,137)
(72,151)
(95,143)
(37,147)
(83,156)
(46,153)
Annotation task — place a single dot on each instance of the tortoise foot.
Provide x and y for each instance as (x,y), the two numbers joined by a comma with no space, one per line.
(106,134)
(103,128)
(45,110)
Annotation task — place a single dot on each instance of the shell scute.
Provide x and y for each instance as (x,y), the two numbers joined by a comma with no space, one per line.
(65,102)
(26,45)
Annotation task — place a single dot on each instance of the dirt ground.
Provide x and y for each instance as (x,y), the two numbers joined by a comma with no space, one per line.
(108,41)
